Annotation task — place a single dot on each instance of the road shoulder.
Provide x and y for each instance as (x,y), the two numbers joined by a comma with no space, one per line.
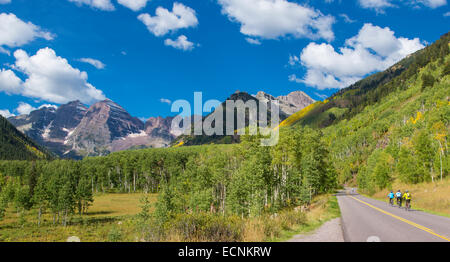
(330,231)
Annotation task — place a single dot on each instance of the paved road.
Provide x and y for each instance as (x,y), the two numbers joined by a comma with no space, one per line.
(365,219)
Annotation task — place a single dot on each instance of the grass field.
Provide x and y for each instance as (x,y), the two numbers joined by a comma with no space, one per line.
(117,205)
(108,219)
(430,197)
(112,218)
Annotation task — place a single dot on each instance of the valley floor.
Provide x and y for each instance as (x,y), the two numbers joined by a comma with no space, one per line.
(108,219)
(112,218)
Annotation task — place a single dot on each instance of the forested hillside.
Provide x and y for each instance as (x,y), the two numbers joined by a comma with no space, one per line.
(389,127)
(16,146)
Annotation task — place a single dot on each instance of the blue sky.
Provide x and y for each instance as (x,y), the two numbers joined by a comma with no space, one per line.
(145,54)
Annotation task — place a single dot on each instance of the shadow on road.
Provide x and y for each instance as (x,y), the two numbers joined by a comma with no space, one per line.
(402,207)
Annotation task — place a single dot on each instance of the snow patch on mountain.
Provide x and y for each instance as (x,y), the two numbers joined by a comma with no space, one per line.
(47,129)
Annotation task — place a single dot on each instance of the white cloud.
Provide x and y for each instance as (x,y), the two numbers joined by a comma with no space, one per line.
(380,5)
(50,78)
(104,5)
(134,5)
(272,19)
(433,3)
(380,40)
(9,82)
(323,96)
(164,100)
(253,41)
(293,60)
(5,51)
(4,2)
(5,113)
(447,14)
(347,19)
(377,5)
(181,43)
(15,32)
(373,49)
(94,62)
(24,108)
(165,21)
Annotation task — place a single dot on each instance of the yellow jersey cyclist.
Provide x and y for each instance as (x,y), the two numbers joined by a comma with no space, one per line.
(407,198)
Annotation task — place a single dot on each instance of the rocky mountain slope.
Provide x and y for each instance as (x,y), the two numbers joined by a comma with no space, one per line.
(103,123)
(50,126)
(73,130)
(290,103)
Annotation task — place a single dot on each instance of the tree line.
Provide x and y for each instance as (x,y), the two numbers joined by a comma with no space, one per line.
(246,179)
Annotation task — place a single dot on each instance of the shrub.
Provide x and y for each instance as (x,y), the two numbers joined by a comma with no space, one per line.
(272,227)
(115,235)
(446,70)
(291,218)
(207,227)
(427,80)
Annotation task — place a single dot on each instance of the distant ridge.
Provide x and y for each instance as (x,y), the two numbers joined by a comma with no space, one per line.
(16,146)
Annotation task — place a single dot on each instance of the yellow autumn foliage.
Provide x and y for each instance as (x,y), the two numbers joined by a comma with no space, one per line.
(179,144)
(418,117)
(300,114)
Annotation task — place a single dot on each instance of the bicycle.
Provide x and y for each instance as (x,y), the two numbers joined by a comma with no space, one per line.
(408,205)
(399,202)
(391,201)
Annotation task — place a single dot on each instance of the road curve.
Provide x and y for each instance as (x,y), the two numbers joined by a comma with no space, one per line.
(365,219)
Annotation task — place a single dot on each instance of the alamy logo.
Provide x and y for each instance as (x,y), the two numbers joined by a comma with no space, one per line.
(233,117)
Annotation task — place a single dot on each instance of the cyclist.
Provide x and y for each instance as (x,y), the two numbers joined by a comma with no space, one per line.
(391,198)
(398,195)
(407,197)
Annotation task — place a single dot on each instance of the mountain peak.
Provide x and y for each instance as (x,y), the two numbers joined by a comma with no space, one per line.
(104,122)
(298,92)
(110,104)
(294,102)
(261,95)
(289,104)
